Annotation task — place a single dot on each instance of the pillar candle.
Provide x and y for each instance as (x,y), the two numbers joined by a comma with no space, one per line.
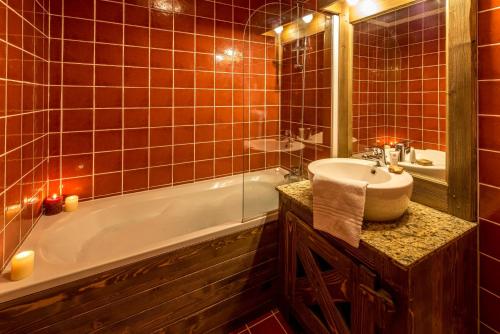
(22,265)
(53,205)
(71,203)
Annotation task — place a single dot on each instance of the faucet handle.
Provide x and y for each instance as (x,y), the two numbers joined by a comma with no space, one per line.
(286,132)
(404,145)
(375,150)
(405,142)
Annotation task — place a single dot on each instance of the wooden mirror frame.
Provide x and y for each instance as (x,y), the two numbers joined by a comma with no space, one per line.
(458,196)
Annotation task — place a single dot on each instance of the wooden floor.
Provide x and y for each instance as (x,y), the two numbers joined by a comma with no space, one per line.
(271,322)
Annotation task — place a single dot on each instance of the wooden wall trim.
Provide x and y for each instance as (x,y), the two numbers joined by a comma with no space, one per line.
(430,192)
(461,108)
(345,86)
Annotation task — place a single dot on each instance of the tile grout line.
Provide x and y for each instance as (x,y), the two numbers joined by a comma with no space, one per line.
(22,126)
(279,322)
(149,96)
(4,180)
(233,45)
(195,83)
(269,315)
(61,102)
(490,257)
(214,66)
(93,99)
(488,326)
(122,171)
(489,291)
(172,153)
(490,221)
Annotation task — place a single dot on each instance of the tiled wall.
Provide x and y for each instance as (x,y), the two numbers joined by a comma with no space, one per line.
(149,94)
(24,49)
(259,87)
(308,86)
(399,88)
(369,107)
(489,163)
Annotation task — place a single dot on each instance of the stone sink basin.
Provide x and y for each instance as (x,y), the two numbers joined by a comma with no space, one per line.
(387,194)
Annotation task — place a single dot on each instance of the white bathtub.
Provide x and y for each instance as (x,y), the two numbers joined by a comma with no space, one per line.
(111,232)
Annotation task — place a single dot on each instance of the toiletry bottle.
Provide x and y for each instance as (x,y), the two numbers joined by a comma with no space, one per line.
(413,155)
(394,158)
(301,133)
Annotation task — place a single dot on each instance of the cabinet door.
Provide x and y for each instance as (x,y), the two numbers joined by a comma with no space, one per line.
(322,285)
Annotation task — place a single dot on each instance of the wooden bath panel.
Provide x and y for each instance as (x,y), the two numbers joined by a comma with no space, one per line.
(209,287)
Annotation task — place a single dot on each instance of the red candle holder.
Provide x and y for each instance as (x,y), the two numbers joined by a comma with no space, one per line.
(53,205)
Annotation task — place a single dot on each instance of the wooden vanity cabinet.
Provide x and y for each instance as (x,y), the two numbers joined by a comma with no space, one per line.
(330,287)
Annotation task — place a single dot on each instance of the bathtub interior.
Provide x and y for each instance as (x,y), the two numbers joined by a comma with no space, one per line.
(258,197)
(146,218)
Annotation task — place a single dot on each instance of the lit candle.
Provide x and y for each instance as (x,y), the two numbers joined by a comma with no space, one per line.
(22,265)
(71,203)
(11,211)
(53,205)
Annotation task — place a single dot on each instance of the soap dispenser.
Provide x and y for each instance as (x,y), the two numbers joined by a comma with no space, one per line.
(413,155)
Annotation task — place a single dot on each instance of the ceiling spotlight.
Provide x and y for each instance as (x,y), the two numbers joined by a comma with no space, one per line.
(278,30)
(352,2)
(368,7)
(308,18)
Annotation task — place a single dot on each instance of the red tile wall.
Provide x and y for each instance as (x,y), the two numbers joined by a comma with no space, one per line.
(370,76)
(489,163)
(399,89)
(313,91)
(257,92)
(149,94)
(24,71)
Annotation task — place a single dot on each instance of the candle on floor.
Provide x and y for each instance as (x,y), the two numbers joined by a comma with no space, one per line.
(71,203)
(53,205)
(22,265)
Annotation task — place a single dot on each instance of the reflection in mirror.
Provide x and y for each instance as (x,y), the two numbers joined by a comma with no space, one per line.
(399,86)
(300,73)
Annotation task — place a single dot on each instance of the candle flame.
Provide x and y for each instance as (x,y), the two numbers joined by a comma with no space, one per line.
(24,254)
(54,196)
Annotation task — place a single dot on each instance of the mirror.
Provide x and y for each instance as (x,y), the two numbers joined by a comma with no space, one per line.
(399,86)
(407,76)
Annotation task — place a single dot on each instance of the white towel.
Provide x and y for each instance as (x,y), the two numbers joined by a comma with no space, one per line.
(338,207)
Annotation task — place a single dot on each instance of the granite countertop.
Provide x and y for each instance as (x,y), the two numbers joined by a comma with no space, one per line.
(419,232)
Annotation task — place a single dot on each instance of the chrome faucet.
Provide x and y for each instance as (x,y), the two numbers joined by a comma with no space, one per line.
(288,137)
(403,147)
(376,154)
(293,175)
(285,135)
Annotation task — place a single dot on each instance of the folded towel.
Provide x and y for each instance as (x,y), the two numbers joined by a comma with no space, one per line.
(338,207)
